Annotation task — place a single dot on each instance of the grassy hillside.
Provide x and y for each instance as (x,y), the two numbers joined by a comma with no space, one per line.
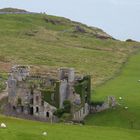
(12,10)
(127,86)
(51,42)
(29,130)
(58,42)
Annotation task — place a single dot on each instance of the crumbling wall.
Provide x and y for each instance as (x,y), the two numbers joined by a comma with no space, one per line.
(109,103)
(63,92)
(81,113)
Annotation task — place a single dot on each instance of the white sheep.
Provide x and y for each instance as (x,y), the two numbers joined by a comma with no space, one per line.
(3,125)
(44,133)
(126,107)
(120,98)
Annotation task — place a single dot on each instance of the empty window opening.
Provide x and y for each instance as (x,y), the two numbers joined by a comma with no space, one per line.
(31,110)
(14,108)
(42,103)
(47,114)
(37,109)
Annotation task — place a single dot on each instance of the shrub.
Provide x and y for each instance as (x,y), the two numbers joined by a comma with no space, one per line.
(92,103)
(65,117)
(59,112)
(2,85)
(67,106)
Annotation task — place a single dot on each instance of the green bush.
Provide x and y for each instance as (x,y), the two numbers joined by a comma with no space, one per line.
(59,112)
(63,112)
(67,106)
(65,117)
(2,85)
(94,103)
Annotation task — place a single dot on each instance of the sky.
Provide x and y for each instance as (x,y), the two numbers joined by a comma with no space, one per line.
(119,18)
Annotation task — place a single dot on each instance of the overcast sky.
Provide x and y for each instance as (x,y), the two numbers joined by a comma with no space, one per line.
(119,18)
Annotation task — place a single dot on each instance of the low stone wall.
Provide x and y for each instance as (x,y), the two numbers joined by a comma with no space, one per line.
(82,113)
(109,103)
(9,111)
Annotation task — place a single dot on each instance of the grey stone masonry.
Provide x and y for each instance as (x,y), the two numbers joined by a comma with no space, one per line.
(42,95)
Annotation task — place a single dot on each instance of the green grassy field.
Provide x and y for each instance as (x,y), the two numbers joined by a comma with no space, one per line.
(28,130)
(126,85)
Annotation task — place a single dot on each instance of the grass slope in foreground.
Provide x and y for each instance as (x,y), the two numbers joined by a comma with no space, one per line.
(29,130)
(126,86)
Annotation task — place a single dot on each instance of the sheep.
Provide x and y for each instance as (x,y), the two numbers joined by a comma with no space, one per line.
(126,107)
(3,125)
(120,98)
(44,133)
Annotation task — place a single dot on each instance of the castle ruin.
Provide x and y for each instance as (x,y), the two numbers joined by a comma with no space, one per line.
(42,95)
